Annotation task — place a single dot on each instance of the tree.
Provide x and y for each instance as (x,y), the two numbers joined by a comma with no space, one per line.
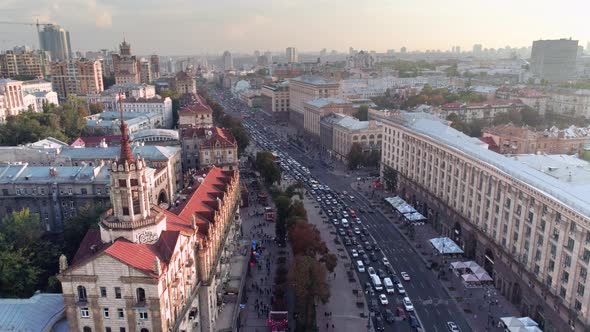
(355,156)
(268,168)
(530,116)
(75,228)
(306,240)
(95,108)
(308,279)
(457,123)
(175,97)
(241,137)
(18,276)
(21,228)
(330,261)
(372,158)
(390,177)
(282,203)
(362,113)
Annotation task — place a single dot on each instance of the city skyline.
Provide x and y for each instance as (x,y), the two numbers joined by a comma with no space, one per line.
(213,27)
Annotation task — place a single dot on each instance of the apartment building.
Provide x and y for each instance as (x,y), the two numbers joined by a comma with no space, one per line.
(170,280)
(486,110)
(27,63)
(511,139)
(275,100)
(348,131)
(316,109)
(527,223)
(306,88)
(158,105)
(12,98)
(195,113)
(77,77)
(204,147)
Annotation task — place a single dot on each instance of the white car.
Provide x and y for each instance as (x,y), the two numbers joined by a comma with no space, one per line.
(357,231)
(453,327)
(354,253)
(408,304)
(401,289)
(385,261)
(371,271)
(383,299)
(405,276)
(358,220)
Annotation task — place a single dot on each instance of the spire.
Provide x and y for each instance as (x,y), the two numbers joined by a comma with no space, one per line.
(125,148)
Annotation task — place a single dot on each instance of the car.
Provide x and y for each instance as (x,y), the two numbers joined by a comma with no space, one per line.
(358,220)
(347,241)
(373,305)
(405,276)
(365,231)
(354,253)
(352,213)
(401,313)
(381,274)
(357,231)
(371,271)
(368,286)
(389,316)
(368,246)
(385,260)
(344,214)
(453,327)
(366,259)
(401,289)
(408,304)
(345,192)
(373,257)
(383,299)
(363,238)
(342,232)
(395,279)
(378,323)
(361,210)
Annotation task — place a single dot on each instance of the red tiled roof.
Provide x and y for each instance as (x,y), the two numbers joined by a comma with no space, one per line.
(220,137)
(90,245)
(491,144)
(95,140)
(451,105)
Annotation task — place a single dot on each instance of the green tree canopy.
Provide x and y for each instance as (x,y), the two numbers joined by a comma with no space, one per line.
(265,164)
(355,156)
(362,113)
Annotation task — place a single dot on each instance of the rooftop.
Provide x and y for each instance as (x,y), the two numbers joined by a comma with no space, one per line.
(47,174)
(321,102)
(148,152)
(575,194)
(315,80)
(35,314)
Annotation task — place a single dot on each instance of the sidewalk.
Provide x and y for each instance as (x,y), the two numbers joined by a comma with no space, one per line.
(482,307)
(345,315)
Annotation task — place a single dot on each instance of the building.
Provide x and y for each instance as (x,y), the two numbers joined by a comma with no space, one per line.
(77,77)
(348,131)
(205,147)
(511,139)
(155,66)
(292,55)
(275,100)
(159,105)
(127,67)
(227,61)
(44,312)
(109,99)
(37,100)
(554,60)
(108,123)
(24,64)
(30,87)
(11,98)
(195,114)
(55,40)
(525,221)
(305,88)
(534,99)
(145,71)
(361,60)
(184,83)
(486,110)
(171,280)
(316,109)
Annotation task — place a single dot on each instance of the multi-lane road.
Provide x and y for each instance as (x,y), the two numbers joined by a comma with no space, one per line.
(433,305)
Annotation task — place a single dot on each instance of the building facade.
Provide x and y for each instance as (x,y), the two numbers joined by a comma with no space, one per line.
(486,110)
(306,88)
(554,60)
(56,41)
(162,106)
(275,100)
(77,77)
(219,149)
(527,227)
(185,83)
(316,109)
(127,67)
(292,55)
(227,61)
(29,63)
(195,113)
(348,131)
(12,95)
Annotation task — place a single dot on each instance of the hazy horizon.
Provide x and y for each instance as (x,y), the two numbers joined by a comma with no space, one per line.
(187,27)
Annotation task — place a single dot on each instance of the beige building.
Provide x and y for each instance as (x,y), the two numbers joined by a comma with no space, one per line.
(486,110)
(78,77)
(219,149)
(275,100)
(185,83)
(526,222)
(306,88)
(28,63)
(147,268)
(316,109)
(511,139)
(348,130)
(195,114)
(13,101)
(127,67)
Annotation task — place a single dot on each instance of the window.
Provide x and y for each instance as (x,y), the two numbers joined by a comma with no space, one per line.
(117,292)
(84,312)
(82,294)
(105,313)
(103,292)
(134,182)
(135,201)
(120,313)
(140,295)
(87,329)
(108,329)
(84,191)
(122,183)
(143,315)
(122,329)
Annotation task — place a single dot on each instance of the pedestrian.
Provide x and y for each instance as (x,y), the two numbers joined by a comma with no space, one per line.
(332,326)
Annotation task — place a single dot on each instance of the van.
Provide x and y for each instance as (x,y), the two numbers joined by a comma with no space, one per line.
(360,266)
(376,282)
(344,222)
(388,285)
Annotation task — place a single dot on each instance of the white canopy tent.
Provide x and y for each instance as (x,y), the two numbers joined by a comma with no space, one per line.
(445,246)
(469,278)
(458,265)
(522,324)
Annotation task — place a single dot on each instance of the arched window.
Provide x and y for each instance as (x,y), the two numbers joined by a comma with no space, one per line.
(82,293)
(145,330)
(87,329)
(140,295)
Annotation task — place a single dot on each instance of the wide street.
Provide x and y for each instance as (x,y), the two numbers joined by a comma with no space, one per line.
(433,305)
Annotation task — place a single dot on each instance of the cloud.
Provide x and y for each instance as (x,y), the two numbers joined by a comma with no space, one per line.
(247,27)
(104,19)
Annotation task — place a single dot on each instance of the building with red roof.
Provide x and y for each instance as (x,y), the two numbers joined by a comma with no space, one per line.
(486,110)
(206,147)
(147,264)
(96,141)
(195,112)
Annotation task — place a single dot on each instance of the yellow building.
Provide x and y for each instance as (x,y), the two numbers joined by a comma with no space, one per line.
(305,88)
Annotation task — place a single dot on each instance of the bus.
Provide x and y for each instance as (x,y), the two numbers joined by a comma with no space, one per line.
(376,282)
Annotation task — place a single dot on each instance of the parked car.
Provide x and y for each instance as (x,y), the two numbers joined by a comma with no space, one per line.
(400,312)
(354,253)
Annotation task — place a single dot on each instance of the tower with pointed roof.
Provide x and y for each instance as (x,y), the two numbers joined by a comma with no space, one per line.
(127,67)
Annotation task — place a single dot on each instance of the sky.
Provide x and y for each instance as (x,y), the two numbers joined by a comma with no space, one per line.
(180,27)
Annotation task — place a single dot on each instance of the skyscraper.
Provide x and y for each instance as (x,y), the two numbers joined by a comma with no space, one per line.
(127,67)
(554,60)
(55,40)
(403,50)
(292,56)
(155,66)
(228,62)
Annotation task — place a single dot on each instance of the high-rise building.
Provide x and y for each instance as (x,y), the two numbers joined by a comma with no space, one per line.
(477,48)
(554,60)
(27,63)
(256,54)
(55,40)
(127,67)
(292,56)
(228,62)
(145,71)
(268,56)
(323,52)
(155,66)
(403,50)
(78,76)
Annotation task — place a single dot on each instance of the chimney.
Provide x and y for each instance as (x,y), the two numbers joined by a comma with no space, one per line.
(63,263)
